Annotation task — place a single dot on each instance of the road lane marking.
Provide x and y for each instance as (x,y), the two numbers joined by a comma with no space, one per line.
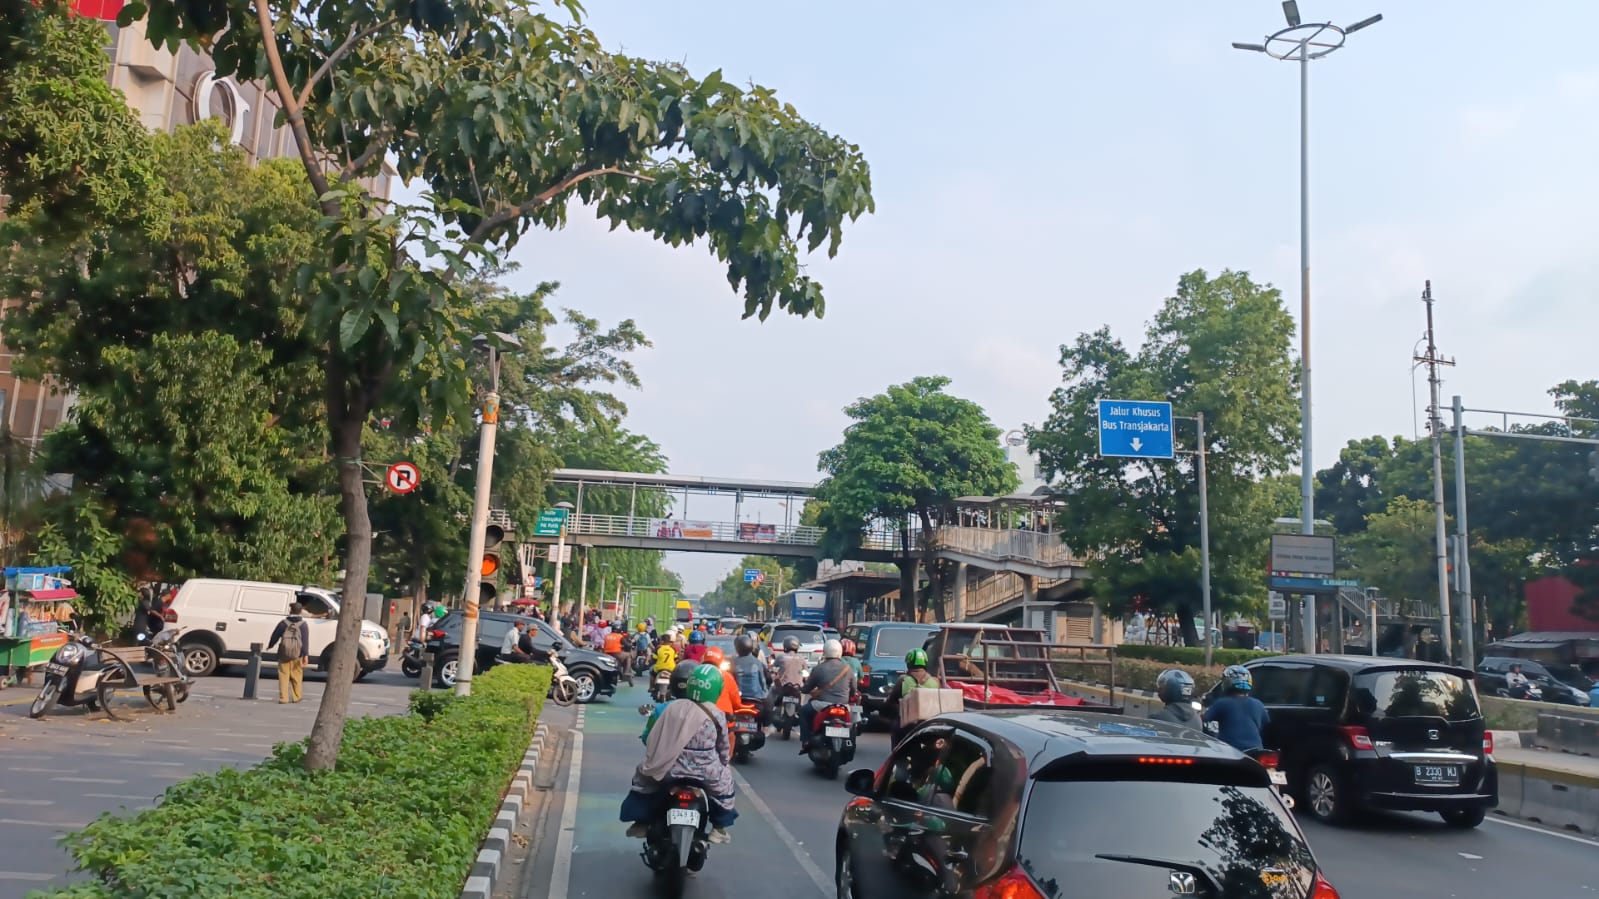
(42,770)
(26,875)
(163,764)
(1546,832)
(57,825)
(6,801)
(821,880)
(88,780)
(561,873)
(118,796)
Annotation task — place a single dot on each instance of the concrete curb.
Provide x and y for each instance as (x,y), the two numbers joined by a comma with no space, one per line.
(518,801)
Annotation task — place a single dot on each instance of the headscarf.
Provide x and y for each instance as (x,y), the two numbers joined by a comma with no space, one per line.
(677,725)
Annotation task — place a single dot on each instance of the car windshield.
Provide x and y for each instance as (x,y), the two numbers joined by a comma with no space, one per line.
(895,642)
(812,634)
(725,644)
(1237,840)
(1415,693)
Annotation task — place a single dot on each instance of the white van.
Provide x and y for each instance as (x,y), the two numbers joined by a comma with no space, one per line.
(221,618)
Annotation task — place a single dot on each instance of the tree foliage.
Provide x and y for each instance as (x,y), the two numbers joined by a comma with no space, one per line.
(739,597)
(908,455)
(1220,346)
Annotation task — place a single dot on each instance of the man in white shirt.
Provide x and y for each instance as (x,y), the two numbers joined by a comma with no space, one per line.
(510,650)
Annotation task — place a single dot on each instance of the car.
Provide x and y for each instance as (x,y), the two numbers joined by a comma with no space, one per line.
(222,618)
(724,642)
(809,635)
(595,672)
(881,646)
(1491,678)
(1027,805)
(1357,732)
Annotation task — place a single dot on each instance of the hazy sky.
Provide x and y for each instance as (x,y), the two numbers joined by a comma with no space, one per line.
(1042,169)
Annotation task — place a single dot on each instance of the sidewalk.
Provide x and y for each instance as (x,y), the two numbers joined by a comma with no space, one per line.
(1581,769)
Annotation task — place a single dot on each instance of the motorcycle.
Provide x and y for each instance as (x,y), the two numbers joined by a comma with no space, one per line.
(679,836)
(1270,759)
(832,739)
(642,663)
(748,735)
(787,712)
(411,658)
(563,686)
(167,659)
(661,689)
(1528,691)
(79,674)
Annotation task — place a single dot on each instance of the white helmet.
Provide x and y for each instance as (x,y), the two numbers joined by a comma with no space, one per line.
(832,649)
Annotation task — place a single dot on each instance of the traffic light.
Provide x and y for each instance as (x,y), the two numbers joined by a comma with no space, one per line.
(488,588)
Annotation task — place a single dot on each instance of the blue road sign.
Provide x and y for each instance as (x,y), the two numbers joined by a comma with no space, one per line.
(1133,428)
(751,575)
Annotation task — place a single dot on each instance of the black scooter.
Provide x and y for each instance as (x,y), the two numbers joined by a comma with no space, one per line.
(679,834)
(79,674)
(411,658)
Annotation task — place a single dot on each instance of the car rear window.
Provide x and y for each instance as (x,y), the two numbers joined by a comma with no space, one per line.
(811,634)
(1129,837)
(895,642)
(1415,693)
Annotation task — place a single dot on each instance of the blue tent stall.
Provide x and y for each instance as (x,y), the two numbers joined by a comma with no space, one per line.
(35,604)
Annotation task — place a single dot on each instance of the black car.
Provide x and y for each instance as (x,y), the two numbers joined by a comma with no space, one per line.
(1356,732)
(881,646)
(1030,805)
(594,672)
(1491,679)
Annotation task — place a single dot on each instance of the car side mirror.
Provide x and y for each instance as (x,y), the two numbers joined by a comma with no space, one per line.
(861,782)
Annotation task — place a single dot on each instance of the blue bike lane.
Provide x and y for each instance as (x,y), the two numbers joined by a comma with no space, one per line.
(583,851)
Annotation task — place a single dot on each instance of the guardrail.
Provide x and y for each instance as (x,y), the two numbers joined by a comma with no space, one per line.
(723,531)
(990,543)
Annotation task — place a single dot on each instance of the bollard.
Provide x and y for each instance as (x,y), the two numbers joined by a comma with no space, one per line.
(427,671)
(252,671)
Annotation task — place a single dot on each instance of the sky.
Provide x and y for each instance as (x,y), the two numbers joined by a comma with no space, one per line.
(1042,169)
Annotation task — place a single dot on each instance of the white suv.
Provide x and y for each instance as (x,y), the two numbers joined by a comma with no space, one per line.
(221,618)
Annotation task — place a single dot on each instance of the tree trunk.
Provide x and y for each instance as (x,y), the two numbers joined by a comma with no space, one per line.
(1185,625)
(907,587)
(346,418)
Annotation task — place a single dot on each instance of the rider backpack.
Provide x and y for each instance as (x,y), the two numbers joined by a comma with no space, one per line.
(293,645)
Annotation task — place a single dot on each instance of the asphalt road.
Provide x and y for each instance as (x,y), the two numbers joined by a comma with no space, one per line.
(789,814)
(62,771)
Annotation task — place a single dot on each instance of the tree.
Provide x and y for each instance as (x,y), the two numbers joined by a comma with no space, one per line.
(738,597)
(909,454)
(1219,346)
(507,116)
(1352,489)
(1397,550)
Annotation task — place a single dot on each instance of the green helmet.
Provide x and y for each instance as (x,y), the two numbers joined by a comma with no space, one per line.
(916,658)
(705,685)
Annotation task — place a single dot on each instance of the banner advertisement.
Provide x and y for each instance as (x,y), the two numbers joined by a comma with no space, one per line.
(757,533)
(675,529)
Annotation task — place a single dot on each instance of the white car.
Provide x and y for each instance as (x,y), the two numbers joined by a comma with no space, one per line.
(221,618)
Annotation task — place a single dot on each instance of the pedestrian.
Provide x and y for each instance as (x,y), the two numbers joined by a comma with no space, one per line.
(405,625)
(292,636)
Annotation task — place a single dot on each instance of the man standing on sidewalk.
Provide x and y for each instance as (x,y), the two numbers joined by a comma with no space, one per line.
(293,654)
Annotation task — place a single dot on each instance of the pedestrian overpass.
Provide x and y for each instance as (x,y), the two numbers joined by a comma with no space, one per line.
(1005,548)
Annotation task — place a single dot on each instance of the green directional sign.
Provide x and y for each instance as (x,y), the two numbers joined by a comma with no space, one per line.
(549,523)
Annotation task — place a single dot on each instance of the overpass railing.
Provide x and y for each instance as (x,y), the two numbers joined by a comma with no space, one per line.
(990,543)
(719,531)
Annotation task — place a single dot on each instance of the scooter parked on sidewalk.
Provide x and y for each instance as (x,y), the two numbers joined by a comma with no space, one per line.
(832,742)
(79,674)
(748,735)
(679,835)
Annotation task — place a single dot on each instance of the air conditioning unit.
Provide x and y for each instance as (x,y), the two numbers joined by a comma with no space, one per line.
(144,59)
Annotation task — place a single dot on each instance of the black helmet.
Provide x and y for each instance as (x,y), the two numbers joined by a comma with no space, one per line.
(744,644)
(792,644)
(1174,685)
(678,685)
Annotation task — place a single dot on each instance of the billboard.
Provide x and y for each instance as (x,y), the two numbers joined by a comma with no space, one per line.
(757,533)
(682,530)
(1302,554)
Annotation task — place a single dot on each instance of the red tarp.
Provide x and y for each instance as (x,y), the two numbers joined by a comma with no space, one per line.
(105,10)
(52,594)
(1000,695)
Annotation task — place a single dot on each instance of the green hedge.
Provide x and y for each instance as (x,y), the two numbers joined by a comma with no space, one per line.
(1188,655)
(402,816)
(1136,674)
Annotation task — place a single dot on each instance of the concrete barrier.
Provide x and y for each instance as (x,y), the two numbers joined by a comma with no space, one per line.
(1548,795)
(1569,733)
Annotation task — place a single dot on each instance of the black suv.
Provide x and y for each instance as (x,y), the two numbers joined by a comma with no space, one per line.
(1357,732)
(881,646)
(1491,678)
(594,672)
(1105,805)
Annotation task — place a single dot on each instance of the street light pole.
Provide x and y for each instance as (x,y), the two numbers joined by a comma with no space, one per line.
(480,521)
(1295,43)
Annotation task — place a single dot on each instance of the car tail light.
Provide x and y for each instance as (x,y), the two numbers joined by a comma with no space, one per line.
(866,669)
(1163,760)
(1268,759)
(1014,885)
(169,616)
(436,635)
(1358,738)
(1323,889)
(1487,742)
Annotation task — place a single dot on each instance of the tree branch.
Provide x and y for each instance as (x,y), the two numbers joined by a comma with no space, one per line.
(339,53)
(512,213)
(291,109)
(380,144)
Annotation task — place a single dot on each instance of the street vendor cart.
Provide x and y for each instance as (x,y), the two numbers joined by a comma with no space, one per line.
(34,609)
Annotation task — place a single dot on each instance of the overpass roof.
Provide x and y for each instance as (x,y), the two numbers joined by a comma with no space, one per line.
(592,477)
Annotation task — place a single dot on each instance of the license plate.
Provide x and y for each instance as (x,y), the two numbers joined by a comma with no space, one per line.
(1278,778)
(55,668)
(1440,775)
(744,726)
(837,732)
(790,706)
(688,816)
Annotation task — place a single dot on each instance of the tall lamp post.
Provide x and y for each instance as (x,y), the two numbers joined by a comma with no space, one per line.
(1302,42)
(489,343)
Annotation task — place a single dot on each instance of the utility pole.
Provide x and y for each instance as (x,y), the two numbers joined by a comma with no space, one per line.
(1468,607)
(1435,424)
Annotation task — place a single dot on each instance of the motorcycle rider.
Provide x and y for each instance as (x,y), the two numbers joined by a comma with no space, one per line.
(830,684)
(696,646)
(789,671)
(1239,716)
(1516,683)
(916,677)
(754,682)
(1176,689)
(689,742)
(730,700)
(642,648)
(849,656)
(675,688)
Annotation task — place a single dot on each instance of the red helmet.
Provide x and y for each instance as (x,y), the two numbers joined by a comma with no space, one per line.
(713,656)
(849,646)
